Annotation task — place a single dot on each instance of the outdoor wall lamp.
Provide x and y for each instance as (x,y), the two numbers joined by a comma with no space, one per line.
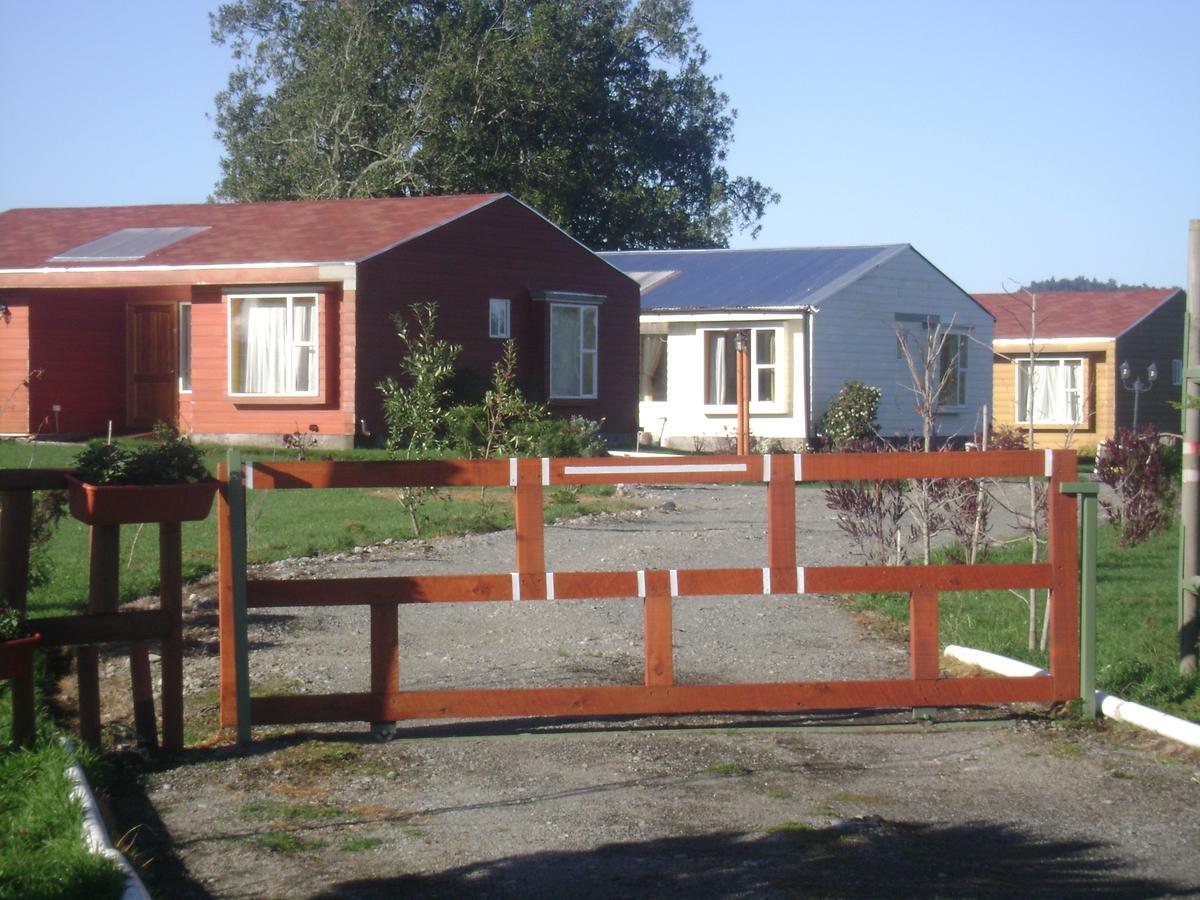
(1138,388)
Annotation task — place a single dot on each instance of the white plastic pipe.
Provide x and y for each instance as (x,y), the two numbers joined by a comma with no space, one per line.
(1114,707)
(96,835)
(993,662)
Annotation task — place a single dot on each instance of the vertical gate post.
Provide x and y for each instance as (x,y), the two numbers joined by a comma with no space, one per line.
(170,593)
(385,664)
(781,522)
(1064,564)
(104,568)
(529,523)
(1087,593)
(657,630)
(236,525)
(16,520)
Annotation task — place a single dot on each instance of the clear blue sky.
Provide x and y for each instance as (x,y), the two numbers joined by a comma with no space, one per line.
(1017,139)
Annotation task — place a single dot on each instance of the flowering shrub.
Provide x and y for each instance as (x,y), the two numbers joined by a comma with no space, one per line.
(1134,465)
(12,623)
(851,414)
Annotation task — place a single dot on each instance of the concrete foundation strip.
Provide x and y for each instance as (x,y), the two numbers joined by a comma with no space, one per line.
(1114,707)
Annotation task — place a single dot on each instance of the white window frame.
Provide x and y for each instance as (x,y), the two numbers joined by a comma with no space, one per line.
(502,307)
(777,405)
(588,356)
(291,297)
(1062,361)
(185,347)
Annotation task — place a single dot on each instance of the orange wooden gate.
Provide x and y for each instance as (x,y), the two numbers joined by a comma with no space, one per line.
(386,701)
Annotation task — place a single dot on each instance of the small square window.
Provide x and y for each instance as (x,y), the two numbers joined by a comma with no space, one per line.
(499,320)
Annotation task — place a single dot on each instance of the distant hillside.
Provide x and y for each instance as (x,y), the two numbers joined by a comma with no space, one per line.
(1083,283)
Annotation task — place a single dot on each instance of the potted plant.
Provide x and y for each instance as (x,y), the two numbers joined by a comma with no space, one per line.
(16,643)
(165,481)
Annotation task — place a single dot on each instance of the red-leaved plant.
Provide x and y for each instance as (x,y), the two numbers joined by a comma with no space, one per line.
(1133,465)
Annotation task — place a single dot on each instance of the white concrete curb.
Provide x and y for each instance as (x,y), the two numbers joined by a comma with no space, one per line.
(96,835)
(1114,707)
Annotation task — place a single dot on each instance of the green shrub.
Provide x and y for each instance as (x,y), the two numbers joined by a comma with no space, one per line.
(851,414)
(171,459)
(575,436)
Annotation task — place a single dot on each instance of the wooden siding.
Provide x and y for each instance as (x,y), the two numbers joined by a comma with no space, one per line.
(14,364)
(853,338)
(77,338)
(1099,380)
(209,409)
(1158,338)
(503,250)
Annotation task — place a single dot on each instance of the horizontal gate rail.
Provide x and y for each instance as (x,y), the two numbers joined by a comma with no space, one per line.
(277,593)
(531,581)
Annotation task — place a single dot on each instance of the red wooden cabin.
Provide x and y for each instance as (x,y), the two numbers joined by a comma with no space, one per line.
(240,322)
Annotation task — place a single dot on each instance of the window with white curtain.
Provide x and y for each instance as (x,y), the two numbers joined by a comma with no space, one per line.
(654,367)
(273,345)
(573,350)
(1057,391)
(499,318)
(720,366)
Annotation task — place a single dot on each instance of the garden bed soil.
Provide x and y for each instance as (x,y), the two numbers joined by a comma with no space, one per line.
(976,802)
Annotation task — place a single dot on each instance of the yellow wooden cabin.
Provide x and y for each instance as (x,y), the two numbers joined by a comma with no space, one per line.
(1058,359)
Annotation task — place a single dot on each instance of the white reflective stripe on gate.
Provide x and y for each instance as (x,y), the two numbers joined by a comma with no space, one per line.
(545,470)
(766,467)
(248,483)
(512,471)
(641,582)
(650,470)
(549,585)
(798,462)
(766,580)
(516,587)
(1049,463)
(799,579)
(674,582)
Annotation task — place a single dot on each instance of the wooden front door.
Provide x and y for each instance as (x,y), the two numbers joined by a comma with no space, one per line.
(153,356)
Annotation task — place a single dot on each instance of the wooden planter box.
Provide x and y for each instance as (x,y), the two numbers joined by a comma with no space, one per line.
(124,504)
(16,656)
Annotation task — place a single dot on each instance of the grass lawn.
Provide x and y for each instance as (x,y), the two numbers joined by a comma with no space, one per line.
(1136,621)
(42,853)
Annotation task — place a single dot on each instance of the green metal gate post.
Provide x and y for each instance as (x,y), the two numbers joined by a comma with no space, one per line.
(1087,593)
(237,546)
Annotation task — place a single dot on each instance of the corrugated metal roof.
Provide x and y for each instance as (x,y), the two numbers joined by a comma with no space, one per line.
(1072,314)
(294,231)
(747,279)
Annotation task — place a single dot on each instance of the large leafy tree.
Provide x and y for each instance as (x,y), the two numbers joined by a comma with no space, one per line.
(596,112)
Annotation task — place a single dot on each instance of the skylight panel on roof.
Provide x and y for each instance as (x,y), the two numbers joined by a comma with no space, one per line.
(128,244)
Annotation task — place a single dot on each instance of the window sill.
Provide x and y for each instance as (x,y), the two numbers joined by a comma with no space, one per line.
(237,400)
(756,409)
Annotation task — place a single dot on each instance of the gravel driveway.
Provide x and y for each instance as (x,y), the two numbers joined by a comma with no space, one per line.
(979,803)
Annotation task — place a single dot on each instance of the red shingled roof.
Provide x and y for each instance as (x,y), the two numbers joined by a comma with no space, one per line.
(1073,314)
(307,231)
